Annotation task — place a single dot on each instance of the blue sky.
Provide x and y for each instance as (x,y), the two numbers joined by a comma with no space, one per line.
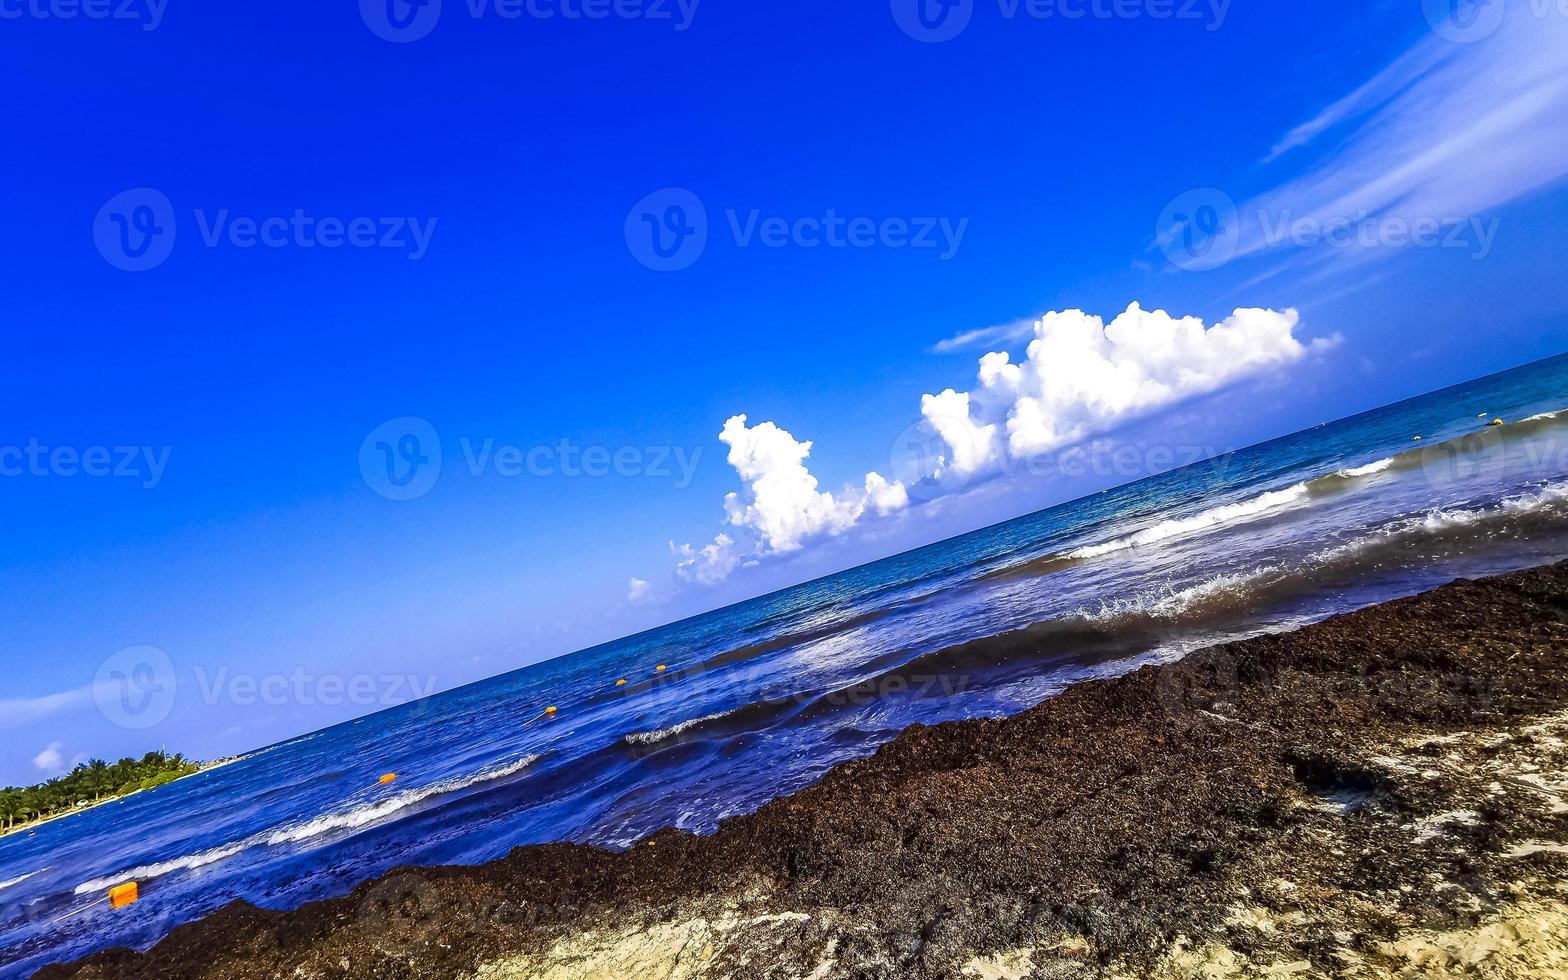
(498,169)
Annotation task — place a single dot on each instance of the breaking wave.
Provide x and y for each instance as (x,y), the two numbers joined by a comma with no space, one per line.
(18,880)
(660,735)
(350,819)
(1166,603)
(1273,501)
(1214,517)
(1444,521)
(1122,627)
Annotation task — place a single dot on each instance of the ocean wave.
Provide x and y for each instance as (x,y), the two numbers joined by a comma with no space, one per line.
(147,872)
(21,878)
(660,735)
(1167,603)
(376,812)
(1441,521)
(1128,626)
(1268,503)
(350,819)
(1371,469)
(1222,516)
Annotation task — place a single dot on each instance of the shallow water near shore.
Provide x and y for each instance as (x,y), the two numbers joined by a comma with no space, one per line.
(760,699)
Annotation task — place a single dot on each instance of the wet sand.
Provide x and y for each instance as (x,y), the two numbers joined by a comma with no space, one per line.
(1384,794)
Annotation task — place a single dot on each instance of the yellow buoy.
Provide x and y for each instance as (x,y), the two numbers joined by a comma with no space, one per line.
(1497,421)
(122,895)
(550,711)
(390,777)
(661,668)
(621,682)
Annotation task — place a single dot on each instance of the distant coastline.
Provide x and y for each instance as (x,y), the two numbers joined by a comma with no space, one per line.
(25,809)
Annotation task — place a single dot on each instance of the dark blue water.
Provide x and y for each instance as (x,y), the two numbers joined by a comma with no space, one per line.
(760,699)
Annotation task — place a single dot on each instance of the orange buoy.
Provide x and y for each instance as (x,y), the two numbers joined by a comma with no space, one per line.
(621,682)
(122,895)
(390,777)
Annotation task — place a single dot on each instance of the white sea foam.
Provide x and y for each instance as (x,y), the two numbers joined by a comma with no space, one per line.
(18,880)
(348,819)
(654,737)
(1236,513)
(1443,519)
(376,812)
(1370,469)
(1167,603)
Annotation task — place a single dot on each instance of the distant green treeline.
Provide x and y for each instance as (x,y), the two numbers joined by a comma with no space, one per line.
(90,782)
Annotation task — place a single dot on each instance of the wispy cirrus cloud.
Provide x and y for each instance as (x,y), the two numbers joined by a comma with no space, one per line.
(20,712)
(986,338)
(1445,133)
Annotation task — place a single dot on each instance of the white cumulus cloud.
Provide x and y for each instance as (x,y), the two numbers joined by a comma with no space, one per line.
(709,565)
(781,503)
(51,761)
(1081,377)
(638,590)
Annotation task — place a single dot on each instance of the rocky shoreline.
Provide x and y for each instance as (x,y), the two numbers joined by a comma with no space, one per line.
(1384,794)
